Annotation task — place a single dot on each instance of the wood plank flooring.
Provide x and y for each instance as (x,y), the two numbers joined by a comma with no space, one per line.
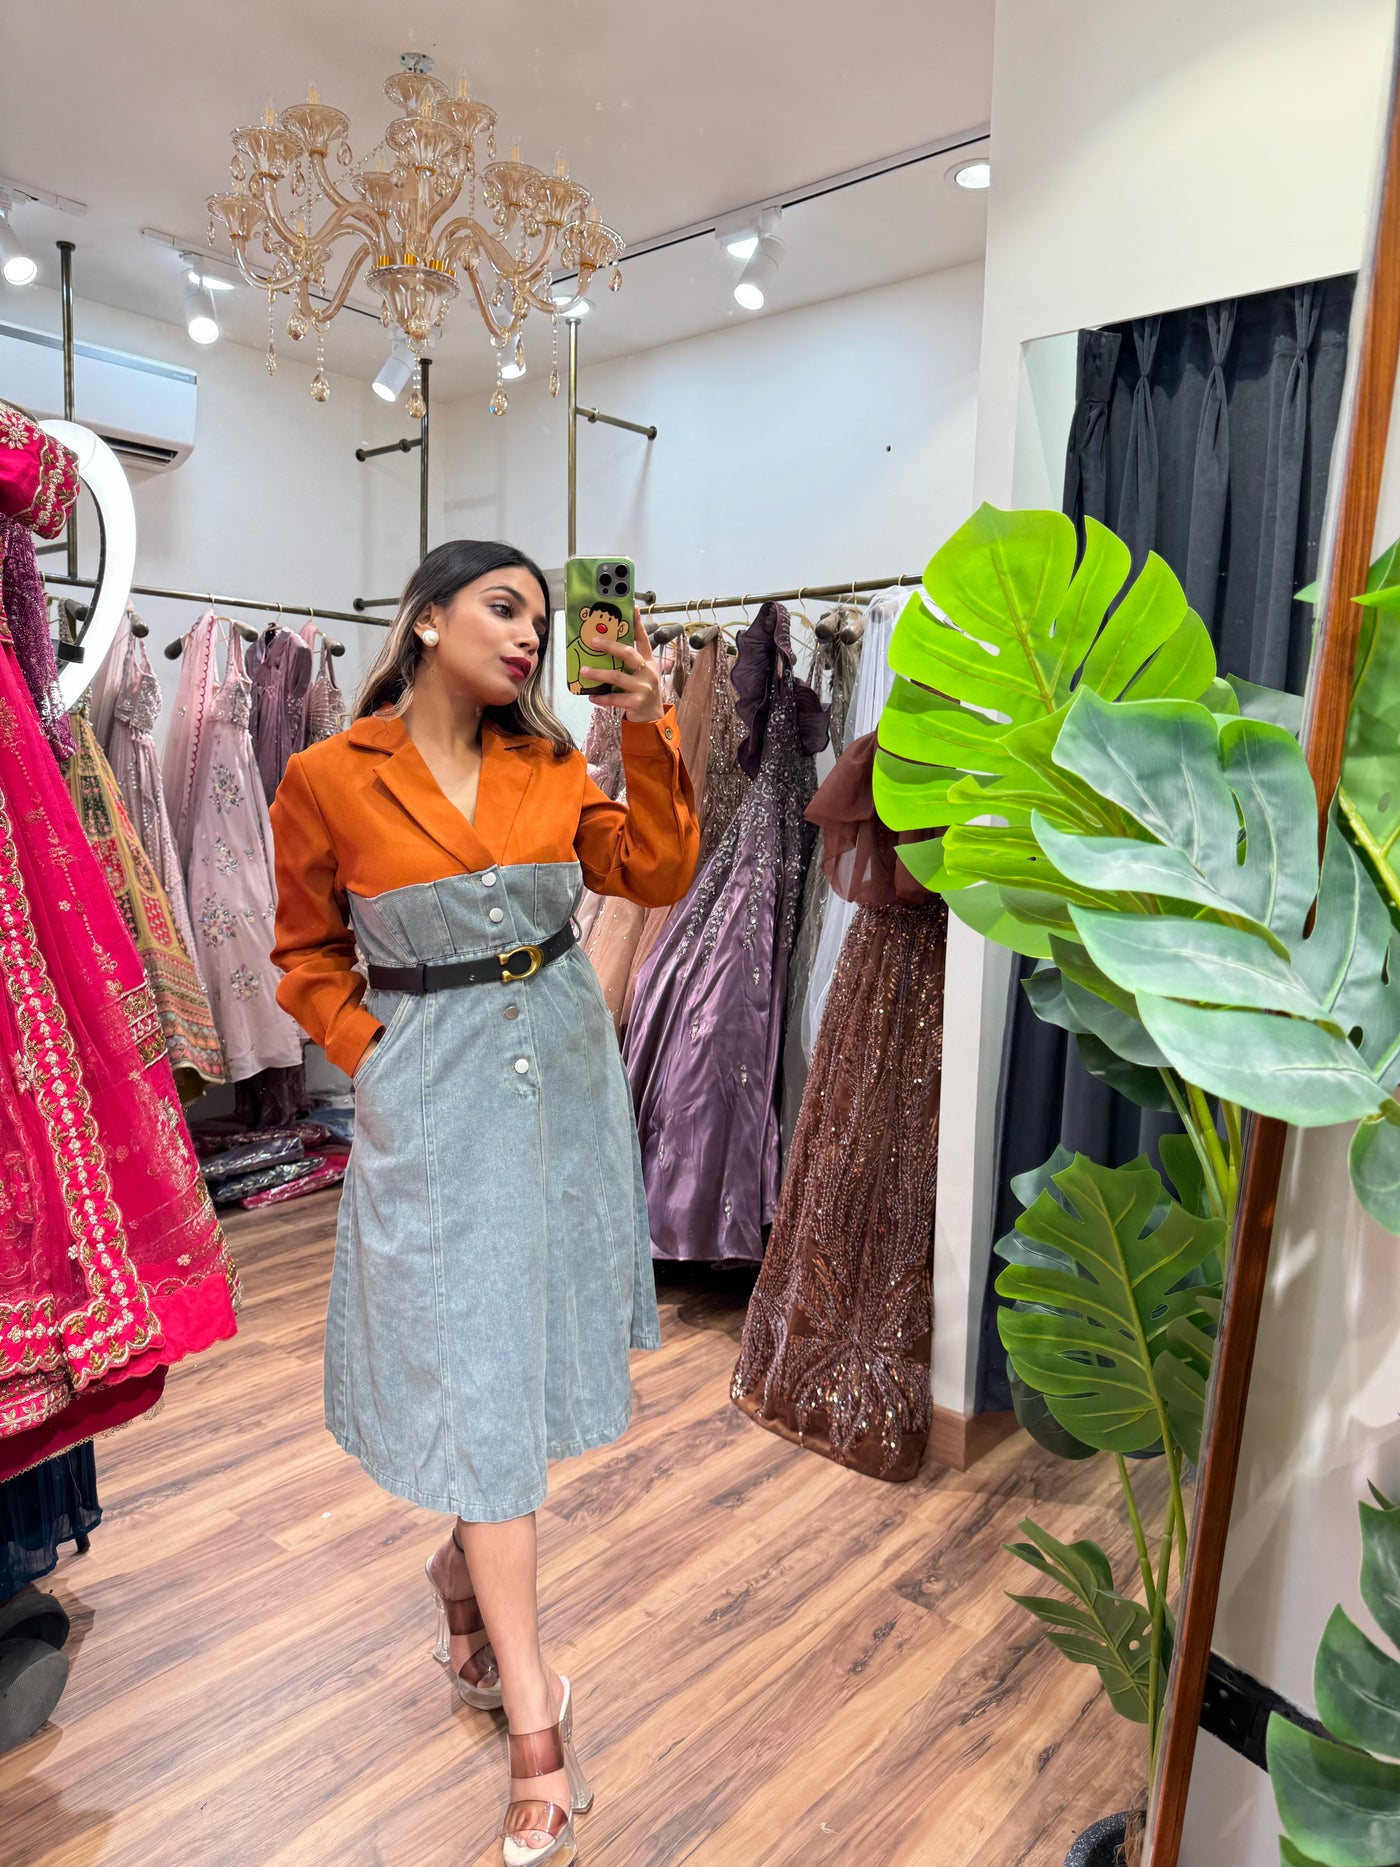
(776,1661)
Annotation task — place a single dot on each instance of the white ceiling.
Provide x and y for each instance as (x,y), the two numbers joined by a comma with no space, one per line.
(669,114)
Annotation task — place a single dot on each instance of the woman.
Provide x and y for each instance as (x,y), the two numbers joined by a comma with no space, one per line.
(492,1261)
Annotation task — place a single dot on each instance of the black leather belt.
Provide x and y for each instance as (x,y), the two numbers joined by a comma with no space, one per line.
(521,962)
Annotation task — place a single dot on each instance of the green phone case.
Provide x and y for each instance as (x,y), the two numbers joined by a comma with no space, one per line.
(600,613)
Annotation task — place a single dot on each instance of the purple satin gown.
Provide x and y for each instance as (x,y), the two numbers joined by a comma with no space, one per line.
(705,1035)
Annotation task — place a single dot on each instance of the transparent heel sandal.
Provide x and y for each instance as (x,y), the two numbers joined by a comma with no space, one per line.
(542,1753)
(477,1679)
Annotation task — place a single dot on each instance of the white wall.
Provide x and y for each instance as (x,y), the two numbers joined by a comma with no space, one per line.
(272,502)
(820,444)
(1166,160)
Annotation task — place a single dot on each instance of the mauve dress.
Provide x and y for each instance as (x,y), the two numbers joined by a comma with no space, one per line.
(279,666)
(703,1043)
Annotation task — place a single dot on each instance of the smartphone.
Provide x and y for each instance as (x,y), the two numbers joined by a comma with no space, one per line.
(600,616)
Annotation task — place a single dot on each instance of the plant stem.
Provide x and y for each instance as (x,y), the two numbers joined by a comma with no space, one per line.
(1214,1190)
(1177,1509)
(1154,1662)
(1211,1139)
(1231,1112)
(1139,1536)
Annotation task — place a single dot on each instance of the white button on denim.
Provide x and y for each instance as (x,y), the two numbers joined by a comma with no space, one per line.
(496,914)
(522,1065)
(489,879)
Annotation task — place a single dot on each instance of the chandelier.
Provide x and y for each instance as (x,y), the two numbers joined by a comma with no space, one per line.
(297,228)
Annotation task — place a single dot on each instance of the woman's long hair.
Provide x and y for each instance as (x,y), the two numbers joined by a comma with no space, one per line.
(443,572)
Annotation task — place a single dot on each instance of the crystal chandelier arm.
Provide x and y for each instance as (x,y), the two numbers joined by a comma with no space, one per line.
(332,193)
(483,304)
(362,254)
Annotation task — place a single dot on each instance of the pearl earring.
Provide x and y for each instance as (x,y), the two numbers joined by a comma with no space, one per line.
(430,638)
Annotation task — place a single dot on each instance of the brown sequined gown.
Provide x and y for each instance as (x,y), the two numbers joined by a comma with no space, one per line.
(838,1337)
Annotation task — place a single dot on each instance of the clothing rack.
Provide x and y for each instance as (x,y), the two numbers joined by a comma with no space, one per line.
(705,606)
(240,602)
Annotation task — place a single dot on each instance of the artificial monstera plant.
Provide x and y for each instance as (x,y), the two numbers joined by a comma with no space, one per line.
(1338,1796)
(1094,796)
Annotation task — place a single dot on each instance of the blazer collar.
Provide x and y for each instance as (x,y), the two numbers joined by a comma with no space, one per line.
(506,772)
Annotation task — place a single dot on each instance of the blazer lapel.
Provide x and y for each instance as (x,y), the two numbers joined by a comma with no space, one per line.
(507,769)
(407,778)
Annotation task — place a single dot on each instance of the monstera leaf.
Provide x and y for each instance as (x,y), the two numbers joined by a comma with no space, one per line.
(1008,630)
(1340,1801)
(1206,934)
(1100,1266)
(1369,797)
(1097,1626)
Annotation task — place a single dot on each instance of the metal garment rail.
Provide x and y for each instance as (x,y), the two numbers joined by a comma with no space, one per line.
(704,605)
(233,602)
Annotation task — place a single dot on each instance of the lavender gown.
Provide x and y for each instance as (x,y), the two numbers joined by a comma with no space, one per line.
(705,1035)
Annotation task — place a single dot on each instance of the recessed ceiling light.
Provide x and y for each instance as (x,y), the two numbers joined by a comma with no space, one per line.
(976,174)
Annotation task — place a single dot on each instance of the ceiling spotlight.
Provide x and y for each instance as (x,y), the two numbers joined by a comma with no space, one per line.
(18,267)
(976,174)
(210,280)
(201,320)
(389,384)
(742,246)
(740,233)
(757,277)
(570,307)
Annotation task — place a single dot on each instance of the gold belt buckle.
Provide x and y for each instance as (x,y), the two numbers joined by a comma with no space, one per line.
(534,954)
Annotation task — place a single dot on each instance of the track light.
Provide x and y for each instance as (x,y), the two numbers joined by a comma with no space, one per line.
(756,280)
(570,307)
(201,320)
(18,267)
(389,384)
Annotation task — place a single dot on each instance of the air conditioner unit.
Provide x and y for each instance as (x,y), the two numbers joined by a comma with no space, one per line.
(143,409)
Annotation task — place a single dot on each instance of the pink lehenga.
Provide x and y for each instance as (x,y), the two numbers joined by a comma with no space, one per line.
(112,1264)
(226,842)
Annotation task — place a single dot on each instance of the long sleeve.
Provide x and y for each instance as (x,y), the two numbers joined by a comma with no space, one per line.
(315,948)
(645,850)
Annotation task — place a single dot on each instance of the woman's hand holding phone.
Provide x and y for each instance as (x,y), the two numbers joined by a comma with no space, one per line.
(635,681)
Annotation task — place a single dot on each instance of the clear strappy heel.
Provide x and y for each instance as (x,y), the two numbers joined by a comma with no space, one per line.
(477,1679)
(541,1753)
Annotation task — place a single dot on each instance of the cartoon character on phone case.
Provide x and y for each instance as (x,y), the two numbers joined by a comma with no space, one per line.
(600,627)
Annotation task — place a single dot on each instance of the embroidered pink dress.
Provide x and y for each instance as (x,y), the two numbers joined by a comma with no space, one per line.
(112,1264)
(229,866)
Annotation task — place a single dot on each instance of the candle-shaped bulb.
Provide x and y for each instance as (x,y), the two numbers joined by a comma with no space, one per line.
(464,89)
(313,96)
(593,217)
(269,114)
(561,165)
(515,150)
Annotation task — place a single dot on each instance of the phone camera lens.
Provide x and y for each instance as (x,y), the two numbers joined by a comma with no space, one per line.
(622,589)
(605,583)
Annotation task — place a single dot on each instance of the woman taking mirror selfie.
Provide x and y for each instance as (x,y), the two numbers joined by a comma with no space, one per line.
(492,1263)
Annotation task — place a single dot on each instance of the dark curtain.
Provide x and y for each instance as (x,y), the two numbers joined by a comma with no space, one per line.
(1204,435)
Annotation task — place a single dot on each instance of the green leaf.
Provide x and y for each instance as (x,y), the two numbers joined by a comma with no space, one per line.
(1184,1170)
(983,908)
(1033,1416)
(1098,1627)
(1269,703)
(1380,1567)
(1080,1567)
(1100,1294)
(1369,797)
(1340,1805)
(1375,1169)
(1357,1688)
(1283,1067)
(1197,959)
(1289,1856)
(1184,664)
(1183,1369)
(1145,1087)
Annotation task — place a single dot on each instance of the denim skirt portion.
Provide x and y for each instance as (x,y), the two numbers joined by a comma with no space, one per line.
(493,1260)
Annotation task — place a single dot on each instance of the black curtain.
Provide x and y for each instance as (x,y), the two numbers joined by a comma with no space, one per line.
(1204,435)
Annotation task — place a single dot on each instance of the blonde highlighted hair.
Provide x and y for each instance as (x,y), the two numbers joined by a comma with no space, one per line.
(444,571)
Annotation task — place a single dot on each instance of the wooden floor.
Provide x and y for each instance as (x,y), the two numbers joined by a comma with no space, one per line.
(769,1651)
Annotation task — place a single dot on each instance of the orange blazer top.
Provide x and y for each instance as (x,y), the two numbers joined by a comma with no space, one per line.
(360,814)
